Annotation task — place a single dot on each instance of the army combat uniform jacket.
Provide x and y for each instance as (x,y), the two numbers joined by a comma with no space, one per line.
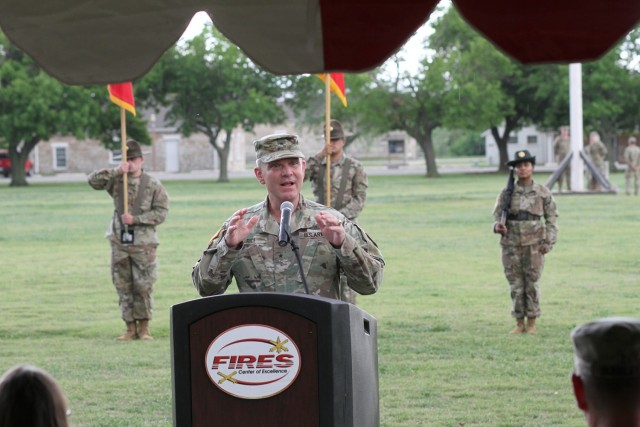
(261,265)
(149,209)
(349,184)
(632,157)
(529,207)
(531,224)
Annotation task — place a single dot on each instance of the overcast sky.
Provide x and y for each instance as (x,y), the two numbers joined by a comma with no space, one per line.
(414,49)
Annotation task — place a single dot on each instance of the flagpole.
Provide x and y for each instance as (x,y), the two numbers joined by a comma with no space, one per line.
(123,136)
(327,134)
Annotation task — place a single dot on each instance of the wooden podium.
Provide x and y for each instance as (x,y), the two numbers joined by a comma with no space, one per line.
(273,359)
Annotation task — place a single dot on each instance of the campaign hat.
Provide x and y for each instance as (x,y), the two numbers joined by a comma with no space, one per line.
(522,156)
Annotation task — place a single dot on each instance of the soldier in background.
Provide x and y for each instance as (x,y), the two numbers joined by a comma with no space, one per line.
(561,148)
(246,247)
(133,263)
(598,153)
(525,240)
(606,373)
(632,159)
(349,183)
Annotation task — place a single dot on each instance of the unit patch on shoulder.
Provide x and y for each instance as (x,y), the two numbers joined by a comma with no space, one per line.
(215,236)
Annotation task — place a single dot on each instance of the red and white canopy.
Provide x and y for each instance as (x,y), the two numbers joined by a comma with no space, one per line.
(105,41)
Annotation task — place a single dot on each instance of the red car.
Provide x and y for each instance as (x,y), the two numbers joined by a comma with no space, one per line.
(5,164)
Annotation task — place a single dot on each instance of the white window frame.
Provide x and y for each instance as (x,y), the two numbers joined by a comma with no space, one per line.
(54,158)
(115,158)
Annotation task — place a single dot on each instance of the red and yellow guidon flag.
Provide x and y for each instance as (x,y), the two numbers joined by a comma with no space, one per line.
(121,94)
(337,85)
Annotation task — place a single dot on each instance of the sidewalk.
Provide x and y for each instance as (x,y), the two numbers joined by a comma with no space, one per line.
(413,168)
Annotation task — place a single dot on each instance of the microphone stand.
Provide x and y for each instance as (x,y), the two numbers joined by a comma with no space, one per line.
(296,250)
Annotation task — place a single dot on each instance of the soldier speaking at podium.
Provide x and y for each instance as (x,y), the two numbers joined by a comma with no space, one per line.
(251,247)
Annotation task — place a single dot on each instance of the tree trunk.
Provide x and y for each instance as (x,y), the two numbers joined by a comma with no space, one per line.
(223,153)
(18,177)
(429,156)
(502,142)
(18,160)
(503,152)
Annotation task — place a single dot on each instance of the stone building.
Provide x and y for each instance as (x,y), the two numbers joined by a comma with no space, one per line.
(172,152)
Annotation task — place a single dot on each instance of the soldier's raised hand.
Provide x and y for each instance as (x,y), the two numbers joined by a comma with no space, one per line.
(238,229)
(331,228)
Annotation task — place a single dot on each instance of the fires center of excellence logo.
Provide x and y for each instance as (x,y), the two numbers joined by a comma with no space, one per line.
(253,361)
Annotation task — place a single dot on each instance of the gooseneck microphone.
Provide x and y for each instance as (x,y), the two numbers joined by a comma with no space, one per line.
(286,208)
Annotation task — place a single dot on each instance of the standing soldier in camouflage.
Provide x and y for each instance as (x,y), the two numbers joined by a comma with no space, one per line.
(561,148)
(525,240)
(349,183)
(133,263)
(632,159)
(598,153)
(246,247)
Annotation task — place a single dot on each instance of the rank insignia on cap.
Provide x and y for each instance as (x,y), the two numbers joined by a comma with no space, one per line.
(521,154)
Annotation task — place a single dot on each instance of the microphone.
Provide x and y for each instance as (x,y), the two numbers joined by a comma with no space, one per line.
(285,217)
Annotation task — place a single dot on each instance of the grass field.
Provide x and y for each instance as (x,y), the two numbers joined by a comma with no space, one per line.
(445,355)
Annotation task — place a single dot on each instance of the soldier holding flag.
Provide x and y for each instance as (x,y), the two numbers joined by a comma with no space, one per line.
(337,180)
(133,254)
(348,183)
(141,203)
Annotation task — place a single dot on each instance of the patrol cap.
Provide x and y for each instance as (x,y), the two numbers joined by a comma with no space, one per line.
(133,149)
(522,156)
(608,350)
(276,147)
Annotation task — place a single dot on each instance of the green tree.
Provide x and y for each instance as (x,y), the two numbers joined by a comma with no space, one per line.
(34,107)
(306,97)
(486,88)
(210,86)
(411,102)
(611,93)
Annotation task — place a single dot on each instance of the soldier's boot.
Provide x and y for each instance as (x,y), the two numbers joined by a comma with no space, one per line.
(531,325)
(143,330)
(519,329)
(130,334)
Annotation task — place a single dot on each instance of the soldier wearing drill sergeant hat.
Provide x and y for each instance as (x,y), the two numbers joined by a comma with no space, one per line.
(329,242)
(606,374)
(348,182)
(133,238)
(528,232)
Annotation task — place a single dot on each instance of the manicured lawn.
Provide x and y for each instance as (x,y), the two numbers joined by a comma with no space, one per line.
(445,355)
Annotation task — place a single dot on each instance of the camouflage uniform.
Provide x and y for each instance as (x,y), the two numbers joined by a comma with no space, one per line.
(598,153)
(632,159)
(355,192)
(133,266)
(561,148)
(348,193)
(261,265)
(523,263)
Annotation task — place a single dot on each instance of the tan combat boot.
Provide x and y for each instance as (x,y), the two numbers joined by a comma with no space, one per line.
(519,329)
(130,334)
(531,325)
(143,330)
